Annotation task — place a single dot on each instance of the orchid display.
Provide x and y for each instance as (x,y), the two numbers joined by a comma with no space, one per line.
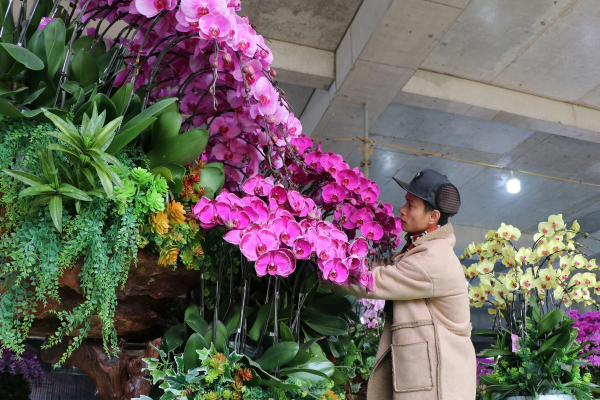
(371,313)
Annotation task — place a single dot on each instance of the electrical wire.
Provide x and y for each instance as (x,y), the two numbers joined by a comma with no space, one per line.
(370,143)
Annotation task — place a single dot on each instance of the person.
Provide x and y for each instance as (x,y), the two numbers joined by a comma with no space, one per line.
(425,351)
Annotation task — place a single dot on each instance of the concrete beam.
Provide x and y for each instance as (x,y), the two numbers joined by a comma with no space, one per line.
(560,115)
(302,65)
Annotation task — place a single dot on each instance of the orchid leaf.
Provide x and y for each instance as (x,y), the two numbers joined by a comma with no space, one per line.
(23,56)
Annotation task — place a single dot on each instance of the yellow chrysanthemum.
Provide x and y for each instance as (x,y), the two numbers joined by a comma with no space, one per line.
(159,223)
(176,212)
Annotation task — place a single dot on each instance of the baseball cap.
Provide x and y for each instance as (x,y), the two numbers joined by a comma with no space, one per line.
(435,189)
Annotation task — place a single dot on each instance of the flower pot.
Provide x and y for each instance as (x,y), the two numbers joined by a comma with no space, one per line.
(550,395)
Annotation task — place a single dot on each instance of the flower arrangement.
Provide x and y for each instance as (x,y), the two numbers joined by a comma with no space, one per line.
(370,315)
(530,329)
(588,325)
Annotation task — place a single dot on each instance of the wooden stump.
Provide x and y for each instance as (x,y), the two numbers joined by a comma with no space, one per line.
(119,378)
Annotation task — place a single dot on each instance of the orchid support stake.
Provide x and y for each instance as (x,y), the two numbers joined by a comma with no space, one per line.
(239,338)
(217,301)
(25,26)
(263,331)
(276,319)
(201,306)
(8,11)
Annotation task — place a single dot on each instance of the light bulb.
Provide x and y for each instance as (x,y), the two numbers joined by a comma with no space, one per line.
(513,185)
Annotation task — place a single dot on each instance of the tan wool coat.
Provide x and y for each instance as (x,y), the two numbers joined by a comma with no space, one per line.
(425,351)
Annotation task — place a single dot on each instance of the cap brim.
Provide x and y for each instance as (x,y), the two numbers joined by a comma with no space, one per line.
(408,188)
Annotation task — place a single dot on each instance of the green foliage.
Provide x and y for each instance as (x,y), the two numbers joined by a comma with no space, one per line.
(547,359)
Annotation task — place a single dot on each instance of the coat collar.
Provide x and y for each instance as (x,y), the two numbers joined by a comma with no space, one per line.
(442,233)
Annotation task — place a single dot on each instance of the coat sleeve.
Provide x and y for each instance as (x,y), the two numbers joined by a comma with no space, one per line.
(405,280)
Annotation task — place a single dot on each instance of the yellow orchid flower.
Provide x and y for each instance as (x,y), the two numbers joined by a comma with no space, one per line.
(492,249)
(557,222)
(509,262)
(579,262)
(559,293)
(563,275)
(511,281)
(528,281)
(508,251)
(485,267)
(491,235)
(575,227)
(545,228)
(571,236)
(577,280)
(539,238)
(508,232)
(592,265)
(472,271)
(566,263)
(547,278)
(467,253)
(543,250)
(556,244)
(523,255)
(589,279)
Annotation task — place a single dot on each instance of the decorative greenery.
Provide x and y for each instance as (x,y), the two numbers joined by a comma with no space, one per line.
(547,358)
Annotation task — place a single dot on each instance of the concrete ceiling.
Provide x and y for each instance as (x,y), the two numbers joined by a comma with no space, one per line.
(506,82)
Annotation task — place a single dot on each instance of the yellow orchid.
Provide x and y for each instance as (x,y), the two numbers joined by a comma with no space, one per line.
(575,227)
(491,235)
(539,238)
(543,250)
(472,271)
(556,244)
(467,254)
(566,263)
(571,236)
(523,255)
(557,222)
(589,279)
(545,228)
(577,280)
(492,249)
(547,278)
(508,232)
(591,266)
(499,292)
(579,262)
(509,262)
(528,281)
(485,267)
(563,275)
(511,281)
(478,296)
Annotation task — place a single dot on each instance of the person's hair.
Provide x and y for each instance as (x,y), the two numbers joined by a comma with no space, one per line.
(443,216)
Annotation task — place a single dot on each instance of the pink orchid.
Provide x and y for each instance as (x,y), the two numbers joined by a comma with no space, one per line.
(274,262)
(372,231)
(336,271)
(150,8)
(266,95)
(278,194)
(324,248)
(214,26)
(257,185)
(297,203)
(257,242)
(334,193)
(333,163)
(343,213)
(208,216)
(361,216)
(196,9)
(287,230)
(359,248)
(302,249)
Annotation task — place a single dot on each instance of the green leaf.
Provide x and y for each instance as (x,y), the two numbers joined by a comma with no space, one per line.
(166,127)
(194,320)
(7,93)
(68,133)
(84,68)
(56,211)
(485,333)
(37,190)
(182,150)
(173,338)
(121,98)
(327,324)
(23,56)
(149,112)
(212,178)
(496,352)
(103,138)
(126,136)
(33,96)
(105,180)
(254,332)
(190,357)
(28,179)
(54,36)
(72,192)
(7,109)
(71,87)
(306,345)
(330,304)
(278,355)
(305,375)
(286,333)
(549,321)
(280,385)
(301,358)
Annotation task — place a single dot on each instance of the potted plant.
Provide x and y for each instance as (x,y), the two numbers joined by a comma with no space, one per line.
(535,343)
(174,137)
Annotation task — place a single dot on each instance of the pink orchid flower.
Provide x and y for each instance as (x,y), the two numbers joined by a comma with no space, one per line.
(297,203)
(257,242)
(361,217)
(266,95)
(336,271)
(359,248)
(257,185)
(347,178)
(372,231)
(274,262)
(287,230)
(214,27)
(150,8)
(278,194)
(334,193)
(302,249)
(197,9)
(324,248)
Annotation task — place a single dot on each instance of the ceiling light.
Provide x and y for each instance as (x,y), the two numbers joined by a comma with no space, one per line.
(513,185)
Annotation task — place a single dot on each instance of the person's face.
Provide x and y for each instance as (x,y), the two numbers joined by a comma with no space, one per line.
(414,218)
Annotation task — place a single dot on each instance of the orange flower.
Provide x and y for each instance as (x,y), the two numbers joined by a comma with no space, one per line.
(176,212)
(159,223)
(168,256)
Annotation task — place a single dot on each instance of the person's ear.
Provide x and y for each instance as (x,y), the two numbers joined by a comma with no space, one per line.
(435,217)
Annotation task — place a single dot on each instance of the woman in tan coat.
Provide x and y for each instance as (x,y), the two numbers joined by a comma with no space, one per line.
(425,351)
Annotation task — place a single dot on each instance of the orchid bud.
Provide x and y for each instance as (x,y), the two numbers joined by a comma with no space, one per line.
(211,90)
(272,119)
(312,215)
(273,73)
(248,70)
(372,252)
(227,58)
(215,63)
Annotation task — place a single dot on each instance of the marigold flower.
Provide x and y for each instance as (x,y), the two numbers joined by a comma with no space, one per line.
(159,223)
(176,212)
